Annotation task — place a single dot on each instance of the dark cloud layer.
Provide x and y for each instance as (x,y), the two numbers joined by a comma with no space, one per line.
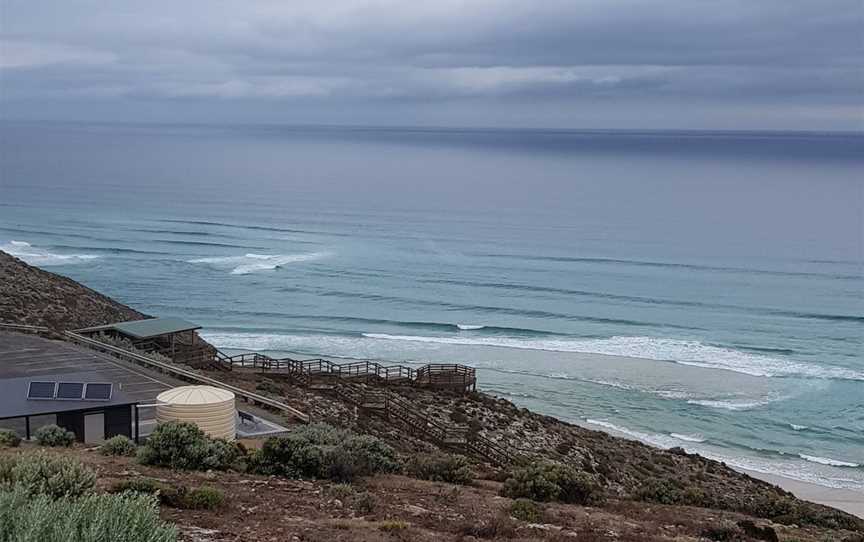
(569,63)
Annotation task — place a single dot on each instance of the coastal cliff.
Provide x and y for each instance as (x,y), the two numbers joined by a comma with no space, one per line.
(32,296)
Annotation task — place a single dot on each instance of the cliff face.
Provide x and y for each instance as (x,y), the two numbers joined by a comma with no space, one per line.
(32,296)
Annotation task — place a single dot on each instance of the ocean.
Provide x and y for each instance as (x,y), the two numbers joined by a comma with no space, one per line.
(694,289)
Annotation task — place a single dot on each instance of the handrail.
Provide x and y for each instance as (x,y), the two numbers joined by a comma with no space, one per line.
(441,374)
(184,374)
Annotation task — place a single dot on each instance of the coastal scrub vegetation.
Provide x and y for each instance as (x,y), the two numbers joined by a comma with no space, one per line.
(44,474)
(180,445)
(49,498)
(450,468)
(323,451)
(175,496)
(118,445)
(127,518)
(546,481)
(9,439)
(126,344)
(54,436)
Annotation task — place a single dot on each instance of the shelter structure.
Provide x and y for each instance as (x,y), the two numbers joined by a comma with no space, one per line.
(171,337)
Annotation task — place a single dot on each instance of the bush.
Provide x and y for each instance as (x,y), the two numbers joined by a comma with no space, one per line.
(370,454)
(126,518)
(364,502)
(166,494)
(180,445)
(9,439)
(525,510)
(453,469)
(392,525)
(42,474)
(53,435)
(322,451)
(203,498)
(118,445)
(289,455)
(552,482)
(725,531)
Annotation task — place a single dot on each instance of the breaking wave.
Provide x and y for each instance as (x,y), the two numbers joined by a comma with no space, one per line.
(734,405)
(827,461)
(822,475)
(679,351)
(253,263)
(469,327)
(687,438)
(40,256)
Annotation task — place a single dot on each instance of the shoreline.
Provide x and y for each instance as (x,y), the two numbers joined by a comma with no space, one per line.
(846,500)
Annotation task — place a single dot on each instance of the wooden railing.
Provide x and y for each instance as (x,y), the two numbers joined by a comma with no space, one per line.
(391,406)
(183,374)
(399,410)
(449,375)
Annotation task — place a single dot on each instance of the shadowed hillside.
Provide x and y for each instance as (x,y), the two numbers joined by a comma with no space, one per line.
(29,295)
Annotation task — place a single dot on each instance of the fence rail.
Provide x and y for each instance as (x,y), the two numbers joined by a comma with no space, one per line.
(448,375)
(398,410)
(183,374)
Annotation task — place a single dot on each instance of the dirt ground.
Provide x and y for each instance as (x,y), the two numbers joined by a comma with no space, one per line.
(388,508)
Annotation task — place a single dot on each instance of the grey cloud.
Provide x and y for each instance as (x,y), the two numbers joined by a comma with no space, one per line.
(377,58)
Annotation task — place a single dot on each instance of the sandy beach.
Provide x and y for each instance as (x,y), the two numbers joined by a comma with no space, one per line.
(842,499)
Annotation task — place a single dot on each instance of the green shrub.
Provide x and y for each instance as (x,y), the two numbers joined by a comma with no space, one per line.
(43,474)
(453,469)
(9,439)
(322,451)
(289,455)
(53,435)
(124,518)
(526,510)
(321,434)
(364,502)
(392,525)
(552,482)
(118,445)
(370,454)
(165,493)
(725,531)
(341,491)
(203,498)
(180,445)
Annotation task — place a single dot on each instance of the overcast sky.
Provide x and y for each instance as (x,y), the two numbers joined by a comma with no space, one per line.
(726,64)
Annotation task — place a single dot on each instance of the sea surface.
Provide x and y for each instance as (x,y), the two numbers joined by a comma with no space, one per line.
(693,289)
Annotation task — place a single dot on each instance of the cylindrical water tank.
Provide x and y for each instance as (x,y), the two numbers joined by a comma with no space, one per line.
(211,409)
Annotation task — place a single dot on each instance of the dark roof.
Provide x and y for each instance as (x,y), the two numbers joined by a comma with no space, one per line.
(153,327)
(14,402)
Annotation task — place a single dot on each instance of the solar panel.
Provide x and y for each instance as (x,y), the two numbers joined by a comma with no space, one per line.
(70,390)
(97,392)
(41,390)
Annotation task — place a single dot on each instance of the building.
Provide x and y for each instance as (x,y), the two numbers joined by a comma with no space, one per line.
(85,403)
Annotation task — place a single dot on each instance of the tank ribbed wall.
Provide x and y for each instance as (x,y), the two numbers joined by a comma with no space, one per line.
(212,409)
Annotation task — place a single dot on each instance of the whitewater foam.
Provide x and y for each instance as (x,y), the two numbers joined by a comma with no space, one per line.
(687,438)
(827,461)
(40,256)
(684,352)
(252,263)
(735,405)
(469,327)
(787,468)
